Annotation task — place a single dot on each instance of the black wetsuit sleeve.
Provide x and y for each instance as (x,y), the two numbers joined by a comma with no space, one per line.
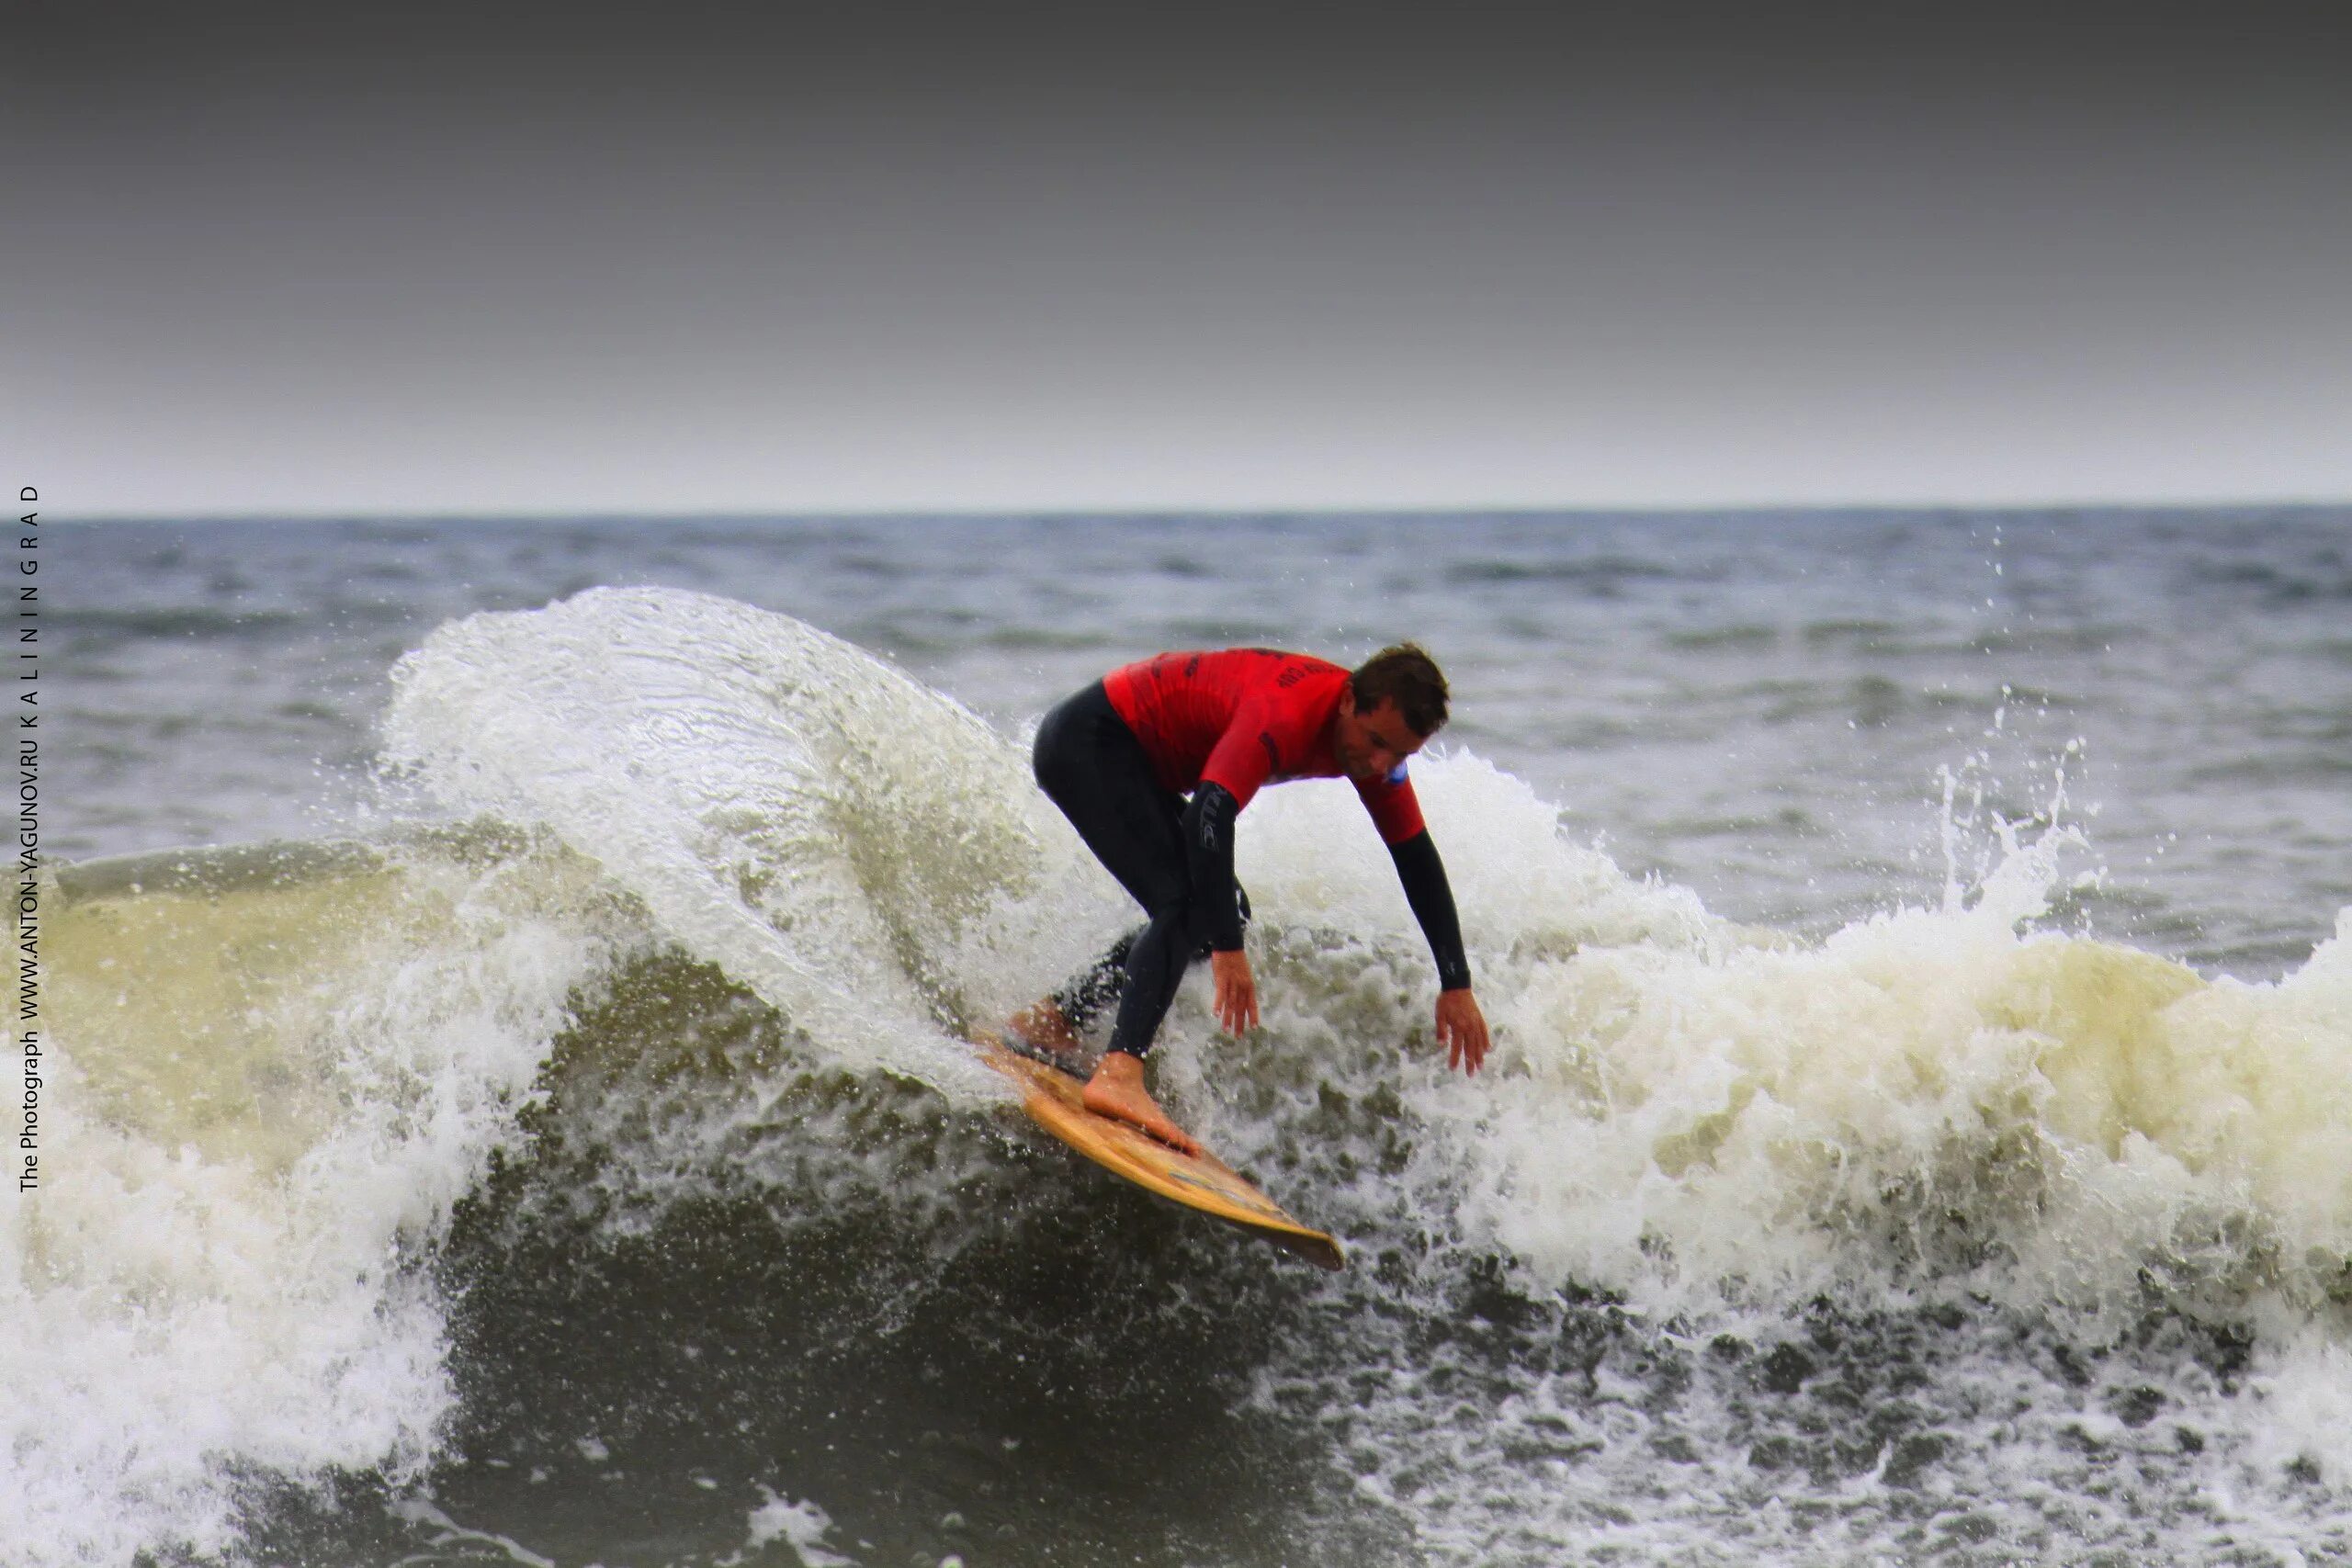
(1208,855)
(1423,875)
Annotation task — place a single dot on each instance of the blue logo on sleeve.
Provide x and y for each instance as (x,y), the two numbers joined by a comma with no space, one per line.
(1396,774)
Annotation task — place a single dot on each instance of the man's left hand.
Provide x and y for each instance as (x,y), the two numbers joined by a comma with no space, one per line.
(1461,1028)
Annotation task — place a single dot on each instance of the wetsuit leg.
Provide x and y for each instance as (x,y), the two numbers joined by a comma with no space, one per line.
(1084,996)
(1156,966)
(1160,953)
(1090,764)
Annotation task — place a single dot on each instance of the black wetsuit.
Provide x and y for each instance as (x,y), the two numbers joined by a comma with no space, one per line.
(1174,857)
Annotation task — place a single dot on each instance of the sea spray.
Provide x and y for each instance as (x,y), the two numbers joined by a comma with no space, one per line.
(826,830)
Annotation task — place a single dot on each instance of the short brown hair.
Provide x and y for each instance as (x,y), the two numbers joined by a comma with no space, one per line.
(1407,676)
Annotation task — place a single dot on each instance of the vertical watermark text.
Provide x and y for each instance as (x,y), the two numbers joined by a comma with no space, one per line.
(29,1022)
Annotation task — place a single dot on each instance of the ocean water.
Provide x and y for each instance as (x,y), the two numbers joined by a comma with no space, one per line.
(505,1102)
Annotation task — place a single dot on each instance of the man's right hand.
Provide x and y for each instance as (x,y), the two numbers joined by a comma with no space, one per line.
(1461,1028)
(1237,992)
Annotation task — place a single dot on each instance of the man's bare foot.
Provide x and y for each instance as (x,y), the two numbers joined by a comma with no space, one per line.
(1116,1091)
(1040,1029)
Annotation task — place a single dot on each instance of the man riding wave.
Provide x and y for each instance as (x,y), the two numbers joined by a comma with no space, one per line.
(1153,764)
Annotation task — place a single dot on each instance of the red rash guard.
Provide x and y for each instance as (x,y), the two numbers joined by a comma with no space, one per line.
(1244,718)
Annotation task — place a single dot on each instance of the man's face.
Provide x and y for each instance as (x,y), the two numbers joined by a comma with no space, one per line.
(1368,743)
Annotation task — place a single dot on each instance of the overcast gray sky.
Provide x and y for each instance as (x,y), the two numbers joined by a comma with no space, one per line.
(678,260)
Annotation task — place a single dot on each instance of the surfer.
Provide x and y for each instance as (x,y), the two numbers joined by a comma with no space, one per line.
(1152,764)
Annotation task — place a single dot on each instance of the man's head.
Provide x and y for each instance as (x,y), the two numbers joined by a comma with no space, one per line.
(1394,701)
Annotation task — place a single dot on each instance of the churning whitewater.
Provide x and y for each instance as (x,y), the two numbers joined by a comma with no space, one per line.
(595,1142)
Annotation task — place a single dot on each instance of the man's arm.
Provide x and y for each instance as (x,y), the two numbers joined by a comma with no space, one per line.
(1460,1025)
(1242,760)
(1423,875)
(1207,828)
(1209,857)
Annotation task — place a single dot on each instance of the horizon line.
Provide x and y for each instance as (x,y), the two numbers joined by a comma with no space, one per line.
(1158,512)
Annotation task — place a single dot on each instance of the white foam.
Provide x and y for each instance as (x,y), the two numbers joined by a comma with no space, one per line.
(447,1531)
(194,1294)
(802,1525)
(1721,1127)
(2298,1403)
(1790,1118)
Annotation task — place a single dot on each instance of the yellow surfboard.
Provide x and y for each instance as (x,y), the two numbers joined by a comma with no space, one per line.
(1202,1183)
